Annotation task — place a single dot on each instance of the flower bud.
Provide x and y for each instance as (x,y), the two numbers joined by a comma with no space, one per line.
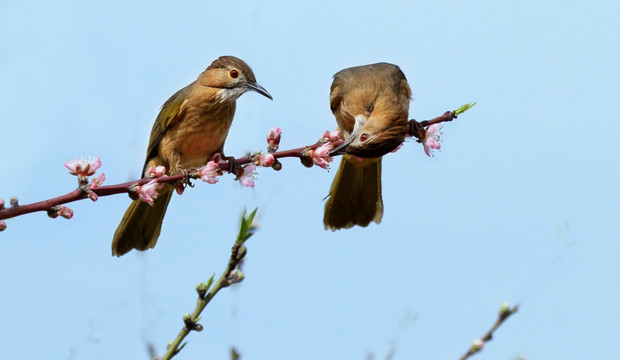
(477,345)
(266,160)
(504,309)
(273,139)
(277,165)
(236,276)
(65,212)
(155,171)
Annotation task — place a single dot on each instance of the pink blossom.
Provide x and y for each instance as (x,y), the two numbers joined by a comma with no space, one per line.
(247,179)
(273,139)
(333,136)
(148,192)
(1,203)
(98,180)
(82,167)
(65,212)
(210,172)
(431,140)
(266,160)
(2,225)
(320,156)
(155,171)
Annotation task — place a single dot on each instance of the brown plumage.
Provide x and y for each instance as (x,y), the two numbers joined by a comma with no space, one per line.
(191,127)
(371,106)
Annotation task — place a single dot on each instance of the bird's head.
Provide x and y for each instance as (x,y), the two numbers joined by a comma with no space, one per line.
(233,77)
(372,137)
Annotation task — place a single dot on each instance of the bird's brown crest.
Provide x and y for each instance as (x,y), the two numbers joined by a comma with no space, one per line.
(233,63)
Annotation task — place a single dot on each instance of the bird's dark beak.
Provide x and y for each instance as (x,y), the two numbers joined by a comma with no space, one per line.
(342,149)
(259,89)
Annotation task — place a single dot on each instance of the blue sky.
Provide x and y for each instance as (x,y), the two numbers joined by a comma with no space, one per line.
(521,204)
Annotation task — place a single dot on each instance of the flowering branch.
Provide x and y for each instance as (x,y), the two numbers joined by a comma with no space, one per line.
(427,133)
(231,275)
(504,312)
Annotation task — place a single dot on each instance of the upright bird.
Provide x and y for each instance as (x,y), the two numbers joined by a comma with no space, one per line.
(191,127)
(371,105)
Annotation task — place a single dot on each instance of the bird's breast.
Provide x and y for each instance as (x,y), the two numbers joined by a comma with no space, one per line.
(202,133)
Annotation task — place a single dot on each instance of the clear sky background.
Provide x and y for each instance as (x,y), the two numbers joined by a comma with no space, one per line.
(521,204)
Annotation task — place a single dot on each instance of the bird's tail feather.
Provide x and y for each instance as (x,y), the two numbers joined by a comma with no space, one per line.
(139,229)
(355,194)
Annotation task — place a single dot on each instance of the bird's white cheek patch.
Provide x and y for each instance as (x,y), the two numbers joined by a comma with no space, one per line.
(230,94)
(360,120)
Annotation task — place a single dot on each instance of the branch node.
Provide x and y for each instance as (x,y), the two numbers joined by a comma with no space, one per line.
(191,324)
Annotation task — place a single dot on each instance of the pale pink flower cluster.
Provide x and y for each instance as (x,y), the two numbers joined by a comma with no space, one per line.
(98,180)
(266,160)
(248,176)
(155,171)
(273,139)
(431,141)
(82,167)
(2,225)
(210,172)
(148,192)
(320,156)
(334,136)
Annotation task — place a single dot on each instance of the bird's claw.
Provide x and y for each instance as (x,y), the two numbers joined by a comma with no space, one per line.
(185,181)
(233,164)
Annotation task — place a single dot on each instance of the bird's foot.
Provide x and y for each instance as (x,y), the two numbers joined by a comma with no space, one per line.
(186,181)
(233,164)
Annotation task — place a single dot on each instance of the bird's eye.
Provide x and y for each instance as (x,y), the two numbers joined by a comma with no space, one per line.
(234,74)
(363,137)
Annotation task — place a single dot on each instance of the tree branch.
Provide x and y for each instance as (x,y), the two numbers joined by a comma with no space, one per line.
(52,206)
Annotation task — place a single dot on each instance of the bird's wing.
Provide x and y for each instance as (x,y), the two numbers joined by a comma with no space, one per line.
(171,112)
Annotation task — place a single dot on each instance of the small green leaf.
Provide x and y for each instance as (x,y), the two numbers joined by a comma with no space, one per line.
(210,281)
(464,108)
(244,226)
(246,230)
(251,216)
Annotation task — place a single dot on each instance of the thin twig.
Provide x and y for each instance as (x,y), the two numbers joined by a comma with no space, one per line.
(504,314)
(228,277)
